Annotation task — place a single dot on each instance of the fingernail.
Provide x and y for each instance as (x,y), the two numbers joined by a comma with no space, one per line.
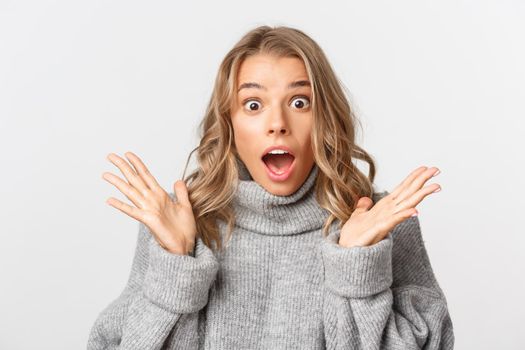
(437,190)
(437,172)
(415,214)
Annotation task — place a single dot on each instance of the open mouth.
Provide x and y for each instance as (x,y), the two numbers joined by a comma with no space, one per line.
(278,163)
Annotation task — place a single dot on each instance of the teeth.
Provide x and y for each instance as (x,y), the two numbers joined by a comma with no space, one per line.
(277,151)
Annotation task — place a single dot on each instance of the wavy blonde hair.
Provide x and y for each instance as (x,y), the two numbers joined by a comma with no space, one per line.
(339,183)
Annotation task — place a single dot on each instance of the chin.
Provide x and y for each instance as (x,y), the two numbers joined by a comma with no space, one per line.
(281,188)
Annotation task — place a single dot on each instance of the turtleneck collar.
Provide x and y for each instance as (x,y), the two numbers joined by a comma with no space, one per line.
(260,211)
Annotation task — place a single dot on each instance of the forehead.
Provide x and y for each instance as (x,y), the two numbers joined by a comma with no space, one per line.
(270,70)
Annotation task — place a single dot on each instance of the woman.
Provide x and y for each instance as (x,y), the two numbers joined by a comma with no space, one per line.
(277,240)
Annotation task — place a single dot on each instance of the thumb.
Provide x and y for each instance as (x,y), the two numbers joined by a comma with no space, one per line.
(363,204)
(181,192)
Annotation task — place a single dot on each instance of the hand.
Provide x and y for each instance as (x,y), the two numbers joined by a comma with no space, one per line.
(368,226)
(171,223)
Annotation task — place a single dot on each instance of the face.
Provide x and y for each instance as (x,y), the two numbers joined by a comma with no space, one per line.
(273,108)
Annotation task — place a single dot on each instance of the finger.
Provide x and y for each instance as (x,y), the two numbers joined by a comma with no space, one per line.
(181,192)
(402,215)
(125,208)
(417,197)
(405,214)
(397,219)
(142,171)
(408,180)
(363,204)
(416,184)
(129,191)
(128,172)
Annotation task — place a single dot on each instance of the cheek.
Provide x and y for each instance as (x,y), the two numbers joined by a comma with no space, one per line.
(306,137)
(308,151)
(244,136)
(241,133)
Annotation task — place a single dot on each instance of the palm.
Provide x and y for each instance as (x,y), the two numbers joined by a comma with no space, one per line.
(171,222)
(370,223)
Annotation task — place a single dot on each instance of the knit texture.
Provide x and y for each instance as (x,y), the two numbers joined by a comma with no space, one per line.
(279,284)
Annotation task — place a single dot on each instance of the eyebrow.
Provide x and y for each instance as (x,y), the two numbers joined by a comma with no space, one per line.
(292,85)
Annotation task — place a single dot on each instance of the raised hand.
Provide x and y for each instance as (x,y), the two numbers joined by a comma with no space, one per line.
(171,222)
(370,223)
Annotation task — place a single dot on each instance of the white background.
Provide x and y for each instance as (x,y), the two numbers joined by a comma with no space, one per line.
(437,83)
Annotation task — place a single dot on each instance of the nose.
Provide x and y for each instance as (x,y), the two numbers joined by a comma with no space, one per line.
(277,123)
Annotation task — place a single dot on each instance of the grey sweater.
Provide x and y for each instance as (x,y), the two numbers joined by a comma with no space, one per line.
(280,285)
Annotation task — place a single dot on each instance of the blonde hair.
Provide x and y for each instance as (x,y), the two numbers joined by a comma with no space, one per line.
(339,183)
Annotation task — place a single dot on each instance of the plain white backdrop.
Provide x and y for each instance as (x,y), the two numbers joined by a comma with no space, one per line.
(437,83)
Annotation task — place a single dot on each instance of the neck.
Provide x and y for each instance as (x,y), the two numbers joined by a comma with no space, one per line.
(260,211)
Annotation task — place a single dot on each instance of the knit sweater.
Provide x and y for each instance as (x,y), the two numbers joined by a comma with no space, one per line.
(279,284)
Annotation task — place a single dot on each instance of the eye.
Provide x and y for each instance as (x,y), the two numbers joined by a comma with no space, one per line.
(299,103)
(252,105)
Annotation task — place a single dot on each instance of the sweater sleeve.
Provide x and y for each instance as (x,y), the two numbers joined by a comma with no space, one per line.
(161,300)
(384,296)
(108,325)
